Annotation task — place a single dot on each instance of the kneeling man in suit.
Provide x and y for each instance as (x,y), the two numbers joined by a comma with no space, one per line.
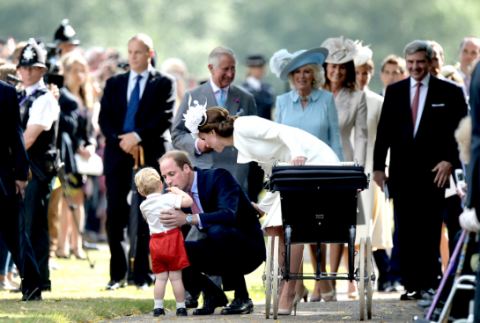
(234,246)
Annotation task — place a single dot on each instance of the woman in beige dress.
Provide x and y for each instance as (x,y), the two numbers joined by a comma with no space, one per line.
(378,210)
(352,116)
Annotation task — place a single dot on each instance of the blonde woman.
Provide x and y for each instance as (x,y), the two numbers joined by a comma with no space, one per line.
(77,91)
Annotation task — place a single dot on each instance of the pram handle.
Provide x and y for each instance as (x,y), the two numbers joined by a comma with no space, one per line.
(354,163)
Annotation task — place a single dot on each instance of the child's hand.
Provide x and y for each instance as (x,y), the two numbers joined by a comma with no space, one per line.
(174,190)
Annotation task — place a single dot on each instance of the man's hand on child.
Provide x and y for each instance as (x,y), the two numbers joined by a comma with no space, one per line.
(173,218)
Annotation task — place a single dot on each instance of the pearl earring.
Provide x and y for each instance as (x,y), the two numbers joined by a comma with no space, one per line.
(215,138)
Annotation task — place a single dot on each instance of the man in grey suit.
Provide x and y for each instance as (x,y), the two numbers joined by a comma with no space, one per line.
(218,91)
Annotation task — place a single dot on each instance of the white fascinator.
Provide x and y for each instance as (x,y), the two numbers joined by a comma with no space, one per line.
(279,60)
(364,54)
(195,117)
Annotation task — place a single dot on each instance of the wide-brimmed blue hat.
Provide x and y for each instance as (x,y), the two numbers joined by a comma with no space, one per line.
(282,62)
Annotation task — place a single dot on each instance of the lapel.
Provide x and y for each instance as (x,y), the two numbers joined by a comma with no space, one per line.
(152,82)
(406,107)
(207,93)
(201,188)
(122,89)
(231,105)
(432,85)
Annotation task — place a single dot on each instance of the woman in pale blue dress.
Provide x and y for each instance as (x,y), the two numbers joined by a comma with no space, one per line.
(313,110)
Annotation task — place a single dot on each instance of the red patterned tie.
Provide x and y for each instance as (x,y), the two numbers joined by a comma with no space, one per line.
(195,208)
(415,105)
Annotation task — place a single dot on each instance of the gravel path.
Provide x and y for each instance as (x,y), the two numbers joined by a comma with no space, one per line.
(386,308)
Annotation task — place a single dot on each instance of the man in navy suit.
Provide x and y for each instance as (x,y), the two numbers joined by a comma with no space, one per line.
(136,110)
(13,181)
(234,246)
(418,121)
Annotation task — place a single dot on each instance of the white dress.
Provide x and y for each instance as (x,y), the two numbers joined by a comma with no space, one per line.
(264,141)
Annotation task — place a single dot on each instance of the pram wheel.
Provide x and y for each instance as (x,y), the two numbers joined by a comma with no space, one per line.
(371,276)
(272,277)
(361,281)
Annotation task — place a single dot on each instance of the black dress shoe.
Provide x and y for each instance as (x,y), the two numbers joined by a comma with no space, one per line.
(210,303)
(428,295)
(238,306)
(191,303)
(409,296)
(113,284)
(182,311)
(32,295)
(158,311)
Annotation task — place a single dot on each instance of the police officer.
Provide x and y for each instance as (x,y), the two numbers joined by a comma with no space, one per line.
(263,95)
(39,114)
(65,38)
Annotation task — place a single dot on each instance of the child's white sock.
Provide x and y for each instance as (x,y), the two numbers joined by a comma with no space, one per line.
(181,305)
(159,303)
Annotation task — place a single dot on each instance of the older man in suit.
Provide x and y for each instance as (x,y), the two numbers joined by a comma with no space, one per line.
(218,91)
(418,120)
(136,110)
(14,166)
(233,245)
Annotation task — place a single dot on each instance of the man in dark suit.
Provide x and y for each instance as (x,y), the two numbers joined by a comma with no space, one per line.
(13,181)
(234,244)
(418,120)
(136,110)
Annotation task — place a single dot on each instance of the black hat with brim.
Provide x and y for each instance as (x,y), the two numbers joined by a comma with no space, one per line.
(32,55)
(65,34)
(255,60)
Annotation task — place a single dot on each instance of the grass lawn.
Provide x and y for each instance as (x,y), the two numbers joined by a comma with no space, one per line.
(79,295)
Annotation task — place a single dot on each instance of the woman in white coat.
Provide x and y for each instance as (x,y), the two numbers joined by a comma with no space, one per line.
(262,141)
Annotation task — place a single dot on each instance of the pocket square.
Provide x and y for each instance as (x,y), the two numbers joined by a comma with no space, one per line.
(435,105)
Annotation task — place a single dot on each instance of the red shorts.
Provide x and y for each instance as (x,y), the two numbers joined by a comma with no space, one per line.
(167,250)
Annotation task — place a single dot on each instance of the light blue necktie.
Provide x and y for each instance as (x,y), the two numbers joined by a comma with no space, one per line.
(221,99)
(132,108)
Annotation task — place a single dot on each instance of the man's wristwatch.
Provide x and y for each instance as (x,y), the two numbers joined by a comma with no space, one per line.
(189,219)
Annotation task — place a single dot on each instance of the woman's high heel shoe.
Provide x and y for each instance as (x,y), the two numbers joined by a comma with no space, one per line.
(331,295)
(296,300)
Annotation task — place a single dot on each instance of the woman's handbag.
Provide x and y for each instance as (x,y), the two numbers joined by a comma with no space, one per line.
(93,166)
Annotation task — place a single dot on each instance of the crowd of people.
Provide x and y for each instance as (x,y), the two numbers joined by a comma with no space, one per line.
(211,145)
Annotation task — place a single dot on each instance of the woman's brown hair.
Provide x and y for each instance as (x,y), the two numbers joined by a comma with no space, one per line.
(218,119)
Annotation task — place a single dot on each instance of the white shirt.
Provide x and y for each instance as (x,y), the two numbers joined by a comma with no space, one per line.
(44,110)
(466,80)
(421,100)
(254,83)
(194,190)
(151,209)
(132,81)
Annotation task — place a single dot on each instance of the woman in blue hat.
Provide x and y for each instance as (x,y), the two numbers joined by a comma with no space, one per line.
(313,110)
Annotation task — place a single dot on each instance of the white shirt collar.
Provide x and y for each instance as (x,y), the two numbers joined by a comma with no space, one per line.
(425,81)
(253,82)
(215,88)
(35,86)
(144,74)
(153,195)
(194,188)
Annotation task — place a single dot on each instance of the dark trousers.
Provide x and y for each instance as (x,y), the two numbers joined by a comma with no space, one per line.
(453,209)
(226,252)
(37,199)
(420,215)
(389,267)
(256,175)
(17,241)
(118,213)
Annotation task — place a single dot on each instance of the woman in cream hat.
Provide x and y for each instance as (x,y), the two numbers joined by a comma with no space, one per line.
(352,115)
(378,210)
(313,110)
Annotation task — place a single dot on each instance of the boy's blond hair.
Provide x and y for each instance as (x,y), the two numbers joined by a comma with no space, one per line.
(148,180)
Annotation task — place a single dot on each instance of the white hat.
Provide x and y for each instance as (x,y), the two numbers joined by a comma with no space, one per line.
(340,51)
(195,117)
(364,54)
